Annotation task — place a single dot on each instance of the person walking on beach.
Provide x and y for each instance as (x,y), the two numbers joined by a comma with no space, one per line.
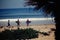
(8,22)
(18,22)
(27,22)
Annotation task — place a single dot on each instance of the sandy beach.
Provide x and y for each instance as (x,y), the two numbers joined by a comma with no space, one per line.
(39,24)
(42,28)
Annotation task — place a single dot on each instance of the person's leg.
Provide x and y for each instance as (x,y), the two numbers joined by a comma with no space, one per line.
(27,24)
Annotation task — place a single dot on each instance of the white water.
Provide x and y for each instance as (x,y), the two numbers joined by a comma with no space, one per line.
(34,21)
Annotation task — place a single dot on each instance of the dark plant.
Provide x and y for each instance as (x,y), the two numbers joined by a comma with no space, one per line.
(19,34)
(49,6)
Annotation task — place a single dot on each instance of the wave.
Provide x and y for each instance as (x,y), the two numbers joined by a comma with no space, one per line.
(24,19)
(21,13)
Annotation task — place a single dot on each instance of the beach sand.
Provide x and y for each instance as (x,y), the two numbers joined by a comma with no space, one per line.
(42,28)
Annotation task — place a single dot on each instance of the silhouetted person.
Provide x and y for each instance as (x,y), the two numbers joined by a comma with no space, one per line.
(8,22)
(18,22)
(27,22)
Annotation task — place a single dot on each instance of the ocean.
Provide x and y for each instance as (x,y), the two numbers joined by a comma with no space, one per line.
(36,17)
(21,13)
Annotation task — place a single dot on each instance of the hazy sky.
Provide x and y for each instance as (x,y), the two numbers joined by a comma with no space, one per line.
(12,4)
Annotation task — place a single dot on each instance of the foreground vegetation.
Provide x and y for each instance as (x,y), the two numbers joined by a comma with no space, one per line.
(28,33)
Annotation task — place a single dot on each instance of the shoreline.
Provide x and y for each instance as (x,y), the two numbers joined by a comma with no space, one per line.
(34,21)
(24,19)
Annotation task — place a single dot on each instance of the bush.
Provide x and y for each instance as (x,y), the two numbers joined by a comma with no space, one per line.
(28,33)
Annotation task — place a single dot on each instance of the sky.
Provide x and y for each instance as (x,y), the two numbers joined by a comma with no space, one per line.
(7,4)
